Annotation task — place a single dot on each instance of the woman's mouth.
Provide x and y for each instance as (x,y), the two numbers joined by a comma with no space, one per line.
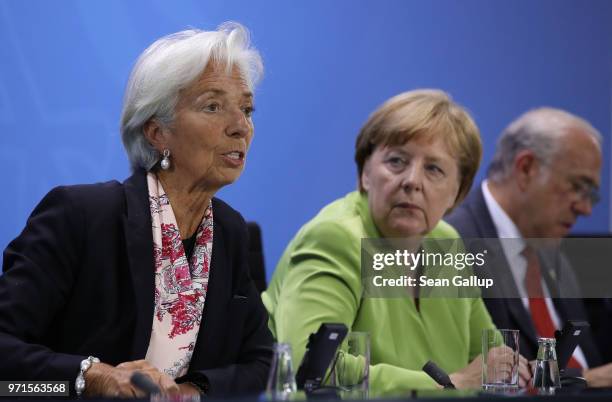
(234,158)
(407,205)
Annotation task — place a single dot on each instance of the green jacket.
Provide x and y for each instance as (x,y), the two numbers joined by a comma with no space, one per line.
(318,279)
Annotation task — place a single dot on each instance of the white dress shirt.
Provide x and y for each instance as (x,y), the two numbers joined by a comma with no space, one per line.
(506,229)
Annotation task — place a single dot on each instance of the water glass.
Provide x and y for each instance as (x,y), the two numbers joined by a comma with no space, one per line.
(281,380)
(500,359)
(351,368)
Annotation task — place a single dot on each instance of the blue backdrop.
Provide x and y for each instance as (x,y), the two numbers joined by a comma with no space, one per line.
(64,64)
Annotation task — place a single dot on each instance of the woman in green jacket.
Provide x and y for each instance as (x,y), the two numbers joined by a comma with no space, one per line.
(416,159)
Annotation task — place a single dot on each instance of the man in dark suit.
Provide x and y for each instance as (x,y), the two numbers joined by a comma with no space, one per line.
(544,175)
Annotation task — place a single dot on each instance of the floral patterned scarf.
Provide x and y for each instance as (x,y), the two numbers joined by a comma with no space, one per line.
(180,285)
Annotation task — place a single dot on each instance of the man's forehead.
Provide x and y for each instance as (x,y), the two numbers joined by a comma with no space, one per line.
(578,162)
(586,171)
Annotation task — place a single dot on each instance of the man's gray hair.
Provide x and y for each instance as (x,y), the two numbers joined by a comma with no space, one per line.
(539,131)
(170,64)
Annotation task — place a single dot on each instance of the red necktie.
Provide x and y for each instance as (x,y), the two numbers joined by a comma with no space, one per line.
(540,316)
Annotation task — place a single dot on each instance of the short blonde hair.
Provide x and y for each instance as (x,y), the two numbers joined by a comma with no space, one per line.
(423,114)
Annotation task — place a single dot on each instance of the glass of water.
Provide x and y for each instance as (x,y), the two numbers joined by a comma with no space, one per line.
(500,359)
(351,369)
(281,381)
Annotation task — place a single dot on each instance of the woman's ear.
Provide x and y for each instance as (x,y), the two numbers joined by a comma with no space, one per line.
(154,133)
(365,176)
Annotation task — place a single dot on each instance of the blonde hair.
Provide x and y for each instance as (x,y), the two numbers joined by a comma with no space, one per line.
(423,114)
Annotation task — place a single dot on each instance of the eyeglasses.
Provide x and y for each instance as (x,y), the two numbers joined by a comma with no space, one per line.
(586,191)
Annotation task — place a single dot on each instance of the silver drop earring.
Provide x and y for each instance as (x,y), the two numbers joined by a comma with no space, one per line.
(165,162)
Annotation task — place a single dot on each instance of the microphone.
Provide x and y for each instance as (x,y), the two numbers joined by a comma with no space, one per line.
(144,383)
(438,375)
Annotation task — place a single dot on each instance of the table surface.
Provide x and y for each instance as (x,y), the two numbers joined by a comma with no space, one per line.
(562,395)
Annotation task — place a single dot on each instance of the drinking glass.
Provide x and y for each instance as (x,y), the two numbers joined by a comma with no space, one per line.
(351,369)
(281,380)
(500,359)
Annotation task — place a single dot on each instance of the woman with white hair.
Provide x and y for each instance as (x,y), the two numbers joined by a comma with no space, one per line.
(150,274)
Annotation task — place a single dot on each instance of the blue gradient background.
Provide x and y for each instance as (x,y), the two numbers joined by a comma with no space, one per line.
(64,64)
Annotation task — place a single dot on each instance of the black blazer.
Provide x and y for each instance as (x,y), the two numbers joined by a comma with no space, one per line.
(79,281)
(472,219)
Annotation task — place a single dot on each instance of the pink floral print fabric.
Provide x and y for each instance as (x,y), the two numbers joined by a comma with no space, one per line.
(180,285)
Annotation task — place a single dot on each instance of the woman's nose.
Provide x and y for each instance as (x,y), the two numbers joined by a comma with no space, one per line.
(412,178)
(239,124)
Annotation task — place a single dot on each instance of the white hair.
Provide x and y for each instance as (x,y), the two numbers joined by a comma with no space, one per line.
(539,131)
(170,64)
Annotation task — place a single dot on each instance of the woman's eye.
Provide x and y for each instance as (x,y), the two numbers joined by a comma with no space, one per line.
(396,162)
(435,169)
(248,111)
(212,107)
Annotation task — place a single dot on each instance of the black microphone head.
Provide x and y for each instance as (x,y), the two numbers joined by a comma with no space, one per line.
(438,374)
(144,383)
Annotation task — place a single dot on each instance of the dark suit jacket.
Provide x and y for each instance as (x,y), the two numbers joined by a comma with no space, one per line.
(79,281)
(472,219)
